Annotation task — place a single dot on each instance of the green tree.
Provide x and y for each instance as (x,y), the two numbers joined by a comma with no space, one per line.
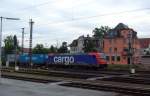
(39,49)
(89,46)
(63,48)
(52,49)
(9,44)
(100,32)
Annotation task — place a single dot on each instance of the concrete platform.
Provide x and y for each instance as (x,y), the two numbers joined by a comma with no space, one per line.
(9,87)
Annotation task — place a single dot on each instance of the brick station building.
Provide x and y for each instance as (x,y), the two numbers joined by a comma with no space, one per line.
(116,43)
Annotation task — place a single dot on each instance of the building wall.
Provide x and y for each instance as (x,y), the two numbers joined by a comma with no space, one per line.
(144,45)
(80,44)
(114,48)
(79,47)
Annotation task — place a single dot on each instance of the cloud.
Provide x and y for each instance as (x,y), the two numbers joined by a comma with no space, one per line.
(50,18)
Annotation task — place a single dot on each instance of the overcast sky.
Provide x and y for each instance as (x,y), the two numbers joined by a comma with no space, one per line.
(58,20)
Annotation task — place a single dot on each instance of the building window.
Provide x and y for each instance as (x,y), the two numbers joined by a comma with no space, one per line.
(115,49)
(76,49)
(118,58)
(124,57)
(126,49)
(107,58)
(115,40)
(110,49)
(103,45)
(110,41)
(113,58)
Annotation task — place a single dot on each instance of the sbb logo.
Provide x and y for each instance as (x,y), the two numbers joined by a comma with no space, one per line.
(66,59)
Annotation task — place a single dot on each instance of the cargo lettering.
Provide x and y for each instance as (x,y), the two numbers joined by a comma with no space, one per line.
(66,59)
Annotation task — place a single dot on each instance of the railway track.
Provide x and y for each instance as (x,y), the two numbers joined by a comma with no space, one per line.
(110,87)
(135,80)
(78,72)
(55,73)
(89,75)
(38,80)
(73,82)
(122,87)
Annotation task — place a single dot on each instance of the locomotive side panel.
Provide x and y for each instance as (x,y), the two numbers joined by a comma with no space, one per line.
(72,59)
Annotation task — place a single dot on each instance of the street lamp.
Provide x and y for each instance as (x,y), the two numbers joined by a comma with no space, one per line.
(1,29)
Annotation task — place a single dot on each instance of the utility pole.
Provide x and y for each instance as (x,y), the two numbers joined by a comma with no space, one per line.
(1,29)
(1,46)
(22,39)
(130,53)
(30,42)
(15,46)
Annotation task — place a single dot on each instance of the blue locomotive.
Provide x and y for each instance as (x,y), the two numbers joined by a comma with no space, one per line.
(87,59)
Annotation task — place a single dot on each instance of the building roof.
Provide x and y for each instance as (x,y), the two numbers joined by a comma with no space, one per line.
(121,26)
(144,42)
(115,32)
(74,43)
(83,38)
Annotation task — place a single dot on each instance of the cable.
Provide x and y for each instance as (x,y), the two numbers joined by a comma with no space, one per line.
(38,5)
(90,17)
(46,3)
(20,11)
(100,15)
(82,18)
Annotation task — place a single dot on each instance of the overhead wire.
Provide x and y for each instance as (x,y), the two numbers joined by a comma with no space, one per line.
(96,16)
(82,18)
(46,3)
(30,7)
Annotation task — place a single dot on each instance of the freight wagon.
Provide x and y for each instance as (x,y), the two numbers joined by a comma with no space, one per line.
(37,60)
